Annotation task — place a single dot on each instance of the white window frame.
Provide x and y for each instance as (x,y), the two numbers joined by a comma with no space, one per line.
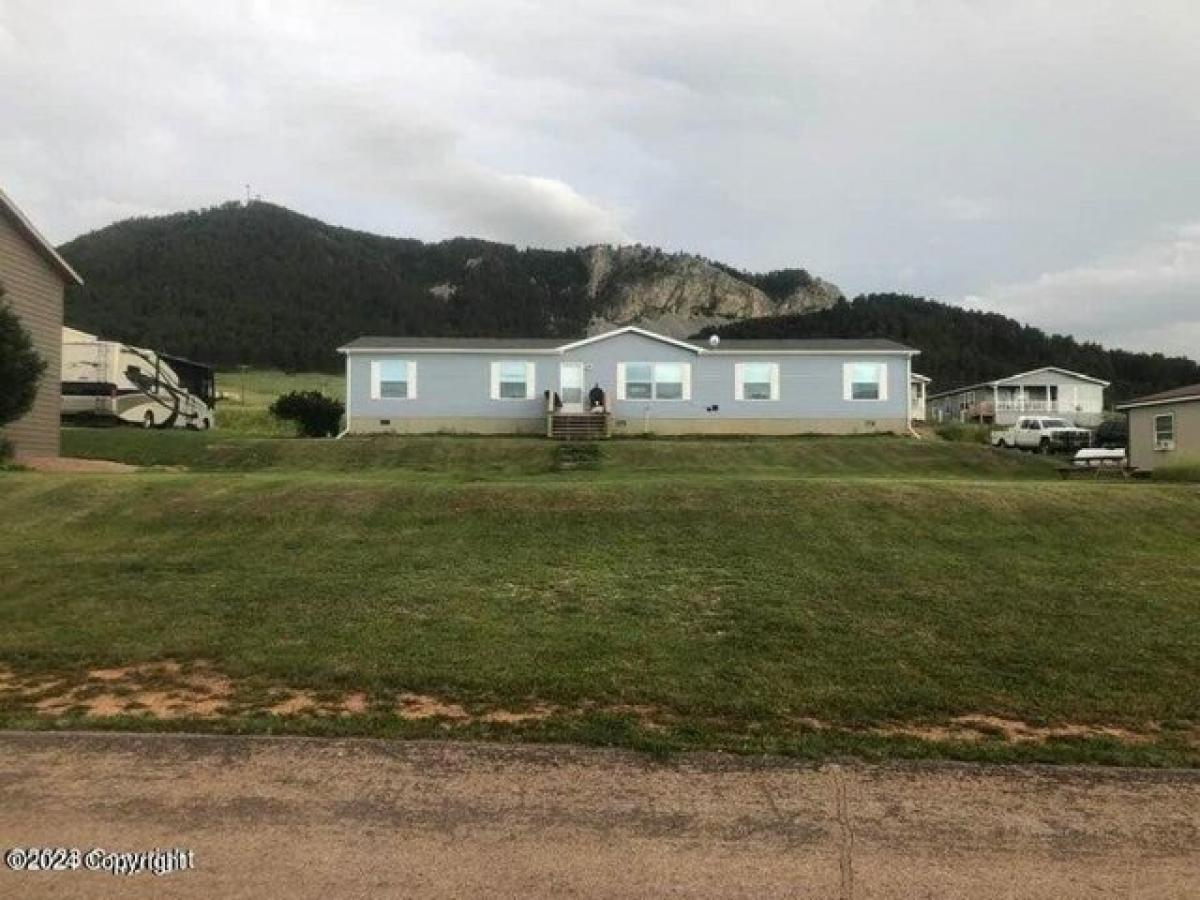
(530,380)
(410,379)
(739,382)
(848,382)
(686,387)
(1161,443)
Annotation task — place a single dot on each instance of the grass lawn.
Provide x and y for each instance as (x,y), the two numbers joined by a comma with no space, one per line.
(873,596)
(475,458)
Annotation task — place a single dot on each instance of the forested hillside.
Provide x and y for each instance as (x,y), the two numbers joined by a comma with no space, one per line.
(262,285)
(960,346)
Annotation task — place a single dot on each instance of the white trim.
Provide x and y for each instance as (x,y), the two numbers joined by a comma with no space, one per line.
(530,379)
(1189,398)
(848,383)
(1160,444)
(620,381)
(410,380)
(349,394)
(631,329)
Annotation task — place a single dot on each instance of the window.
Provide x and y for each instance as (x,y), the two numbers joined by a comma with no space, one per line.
(654,381)
(1164,432)
(512,380)
(756,381)
(864,381)
(393,379)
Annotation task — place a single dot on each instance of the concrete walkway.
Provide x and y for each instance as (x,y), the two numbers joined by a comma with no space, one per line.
(275,817)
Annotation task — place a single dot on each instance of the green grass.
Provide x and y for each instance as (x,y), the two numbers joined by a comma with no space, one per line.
(258,388)
(733,605)
(500,457)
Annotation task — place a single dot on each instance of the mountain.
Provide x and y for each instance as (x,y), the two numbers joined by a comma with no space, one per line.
(259,284)
(960,346)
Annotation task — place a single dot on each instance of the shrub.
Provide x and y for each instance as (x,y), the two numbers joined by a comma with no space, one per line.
(316,414)
(1112,432)
(20,366)
(962,432)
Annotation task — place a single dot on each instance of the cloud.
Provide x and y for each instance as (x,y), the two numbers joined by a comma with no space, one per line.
(1147,298)
(940,147)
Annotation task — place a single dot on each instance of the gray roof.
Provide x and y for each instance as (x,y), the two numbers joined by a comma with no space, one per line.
(453,343)
(732,345)
(549,345)
(1187,392)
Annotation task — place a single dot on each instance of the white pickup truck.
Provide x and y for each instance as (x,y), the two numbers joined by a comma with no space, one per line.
(1042,435)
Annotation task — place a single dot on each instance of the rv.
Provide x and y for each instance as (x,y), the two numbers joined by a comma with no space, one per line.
(108,380)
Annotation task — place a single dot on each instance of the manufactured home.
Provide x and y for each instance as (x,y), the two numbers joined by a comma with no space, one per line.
(1164,428)
(1045,391)
(627,381)
(34,277)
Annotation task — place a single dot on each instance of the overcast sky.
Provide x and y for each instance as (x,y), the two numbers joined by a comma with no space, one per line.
(1039,159)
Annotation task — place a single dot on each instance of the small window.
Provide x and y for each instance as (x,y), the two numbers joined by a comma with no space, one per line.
(654,381)
(756,381)
(865,381)
(1164,432)
(512,380)
(393,379)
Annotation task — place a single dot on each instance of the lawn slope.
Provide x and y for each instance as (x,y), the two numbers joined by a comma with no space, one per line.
(801,615)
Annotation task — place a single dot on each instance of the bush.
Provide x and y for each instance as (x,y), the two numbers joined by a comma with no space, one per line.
(20,366)
(1112,432)
(316,414)
(961,432)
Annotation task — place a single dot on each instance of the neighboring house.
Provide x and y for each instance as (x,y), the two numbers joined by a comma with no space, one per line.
(34,276)
(1164,428)
(918,390)
(1048,390)
(651,383)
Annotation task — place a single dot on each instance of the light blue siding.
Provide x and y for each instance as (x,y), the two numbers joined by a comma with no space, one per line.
(457,384)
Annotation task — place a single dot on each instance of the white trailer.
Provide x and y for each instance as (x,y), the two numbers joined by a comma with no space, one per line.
(114,381)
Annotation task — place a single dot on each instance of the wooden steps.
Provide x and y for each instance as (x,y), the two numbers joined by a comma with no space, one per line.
(578,426)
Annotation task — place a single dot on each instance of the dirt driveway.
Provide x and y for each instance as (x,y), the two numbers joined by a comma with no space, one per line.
(269,817)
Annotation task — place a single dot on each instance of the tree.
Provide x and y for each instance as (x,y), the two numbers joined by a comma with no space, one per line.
(20,366)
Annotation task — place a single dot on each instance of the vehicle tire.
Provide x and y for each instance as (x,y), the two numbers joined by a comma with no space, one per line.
(205,424)
(1003,445)
(1044,446)
(148,420)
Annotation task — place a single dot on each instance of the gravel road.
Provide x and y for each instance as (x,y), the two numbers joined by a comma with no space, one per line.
(272,817)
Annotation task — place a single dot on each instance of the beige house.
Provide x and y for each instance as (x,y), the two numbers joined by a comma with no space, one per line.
(1164,428)
(34,276)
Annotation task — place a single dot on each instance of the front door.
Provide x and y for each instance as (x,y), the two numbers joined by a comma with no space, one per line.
(570,387)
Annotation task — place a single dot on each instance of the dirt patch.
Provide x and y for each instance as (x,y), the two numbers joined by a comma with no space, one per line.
(68,465)
(170,690)
(518,717)
(421,706)
(976,728)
